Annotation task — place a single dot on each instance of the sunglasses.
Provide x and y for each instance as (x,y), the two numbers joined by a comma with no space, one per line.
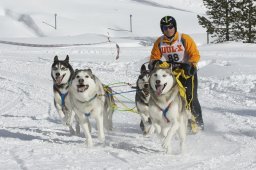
(168,27)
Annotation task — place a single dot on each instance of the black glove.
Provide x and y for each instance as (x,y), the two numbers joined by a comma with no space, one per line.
(189,69)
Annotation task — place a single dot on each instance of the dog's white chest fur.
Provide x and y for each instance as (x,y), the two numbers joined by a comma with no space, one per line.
(164,111)
(87,107)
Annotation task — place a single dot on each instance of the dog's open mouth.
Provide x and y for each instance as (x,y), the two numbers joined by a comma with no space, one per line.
(59,79)
(82,87)
(160,88)
(146,91)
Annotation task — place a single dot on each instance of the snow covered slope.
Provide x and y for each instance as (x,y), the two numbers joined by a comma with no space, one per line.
(111,17)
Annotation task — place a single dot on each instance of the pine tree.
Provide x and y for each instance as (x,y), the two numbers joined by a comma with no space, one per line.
(220,19)
(245,27)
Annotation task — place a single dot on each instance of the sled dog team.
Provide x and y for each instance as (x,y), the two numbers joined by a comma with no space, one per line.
(79,95)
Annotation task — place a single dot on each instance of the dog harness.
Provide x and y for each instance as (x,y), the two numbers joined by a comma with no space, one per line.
(165,111)
(62,96)
(89,114)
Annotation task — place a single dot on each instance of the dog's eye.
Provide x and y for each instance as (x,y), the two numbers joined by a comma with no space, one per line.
(55,68)
(78,77)
(86,76)
(63,68)
(155,75)
(164,75)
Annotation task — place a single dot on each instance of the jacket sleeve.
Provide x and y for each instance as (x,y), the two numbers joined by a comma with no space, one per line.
(156,53)
(191,49)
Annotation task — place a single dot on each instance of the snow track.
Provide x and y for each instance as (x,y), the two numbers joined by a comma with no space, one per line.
(32,136)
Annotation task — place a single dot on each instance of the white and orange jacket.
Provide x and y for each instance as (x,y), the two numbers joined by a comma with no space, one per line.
(181,49)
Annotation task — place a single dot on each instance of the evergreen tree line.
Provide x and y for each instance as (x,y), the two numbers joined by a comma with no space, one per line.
(230,20)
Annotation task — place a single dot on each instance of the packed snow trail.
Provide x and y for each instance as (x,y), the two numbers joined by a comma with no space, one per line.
(32,136)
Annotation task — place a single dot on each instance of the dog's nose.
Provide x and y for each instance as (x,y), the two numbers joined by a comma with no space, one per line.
(81,80)
(158,81)
(57,74)
(145,85)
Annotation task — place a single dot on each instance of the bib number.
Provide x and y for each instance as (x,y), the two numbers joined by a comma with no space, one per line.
(173,57)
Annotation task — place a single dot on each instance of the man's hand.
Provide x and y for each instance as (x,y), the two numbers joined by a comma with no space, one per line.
(189,69)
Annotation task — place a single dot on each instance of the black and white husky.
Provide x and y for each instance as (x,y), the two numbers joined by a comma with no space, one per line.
(142,98)
(167,108)
(89,98)
(62,73)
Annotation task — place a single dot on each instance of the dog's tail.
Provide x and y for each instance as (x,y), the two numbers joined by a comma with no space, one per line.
(109,108)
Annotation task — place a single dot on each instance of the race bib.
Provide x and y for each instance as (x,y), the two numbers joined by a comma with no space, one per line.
(174,52)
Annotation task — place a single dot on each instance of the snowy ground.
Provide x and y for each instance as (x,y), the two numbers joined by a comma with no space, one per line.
(32,137)
(31,134)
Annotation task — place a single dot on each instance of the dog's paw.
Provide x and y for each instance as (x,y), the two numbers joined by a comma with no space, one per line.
(168,150)
(66,121)
(101,139)
(72,131)
(151,130)
(77,129)
(89,143)
(166,143)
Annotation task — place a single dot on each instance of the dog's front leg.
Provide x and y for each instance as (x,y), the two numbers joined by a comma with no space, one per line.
(171,132)
(61,113)
(69,117)
(145,124)
(154,127)
(164,131)
(182,132)
(78,125)
(84,122)
(100,127)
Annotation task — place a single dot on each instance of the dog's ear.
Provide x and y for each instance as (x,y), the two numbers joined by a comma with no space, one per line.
(155,64)
(56,58)
(90,71)
(76,71)
(74,75)
(143,69)
(67,59)
(91,74)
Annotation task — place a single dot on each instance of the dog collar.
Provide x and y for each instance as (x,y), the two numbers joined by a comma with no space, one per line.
(94,97)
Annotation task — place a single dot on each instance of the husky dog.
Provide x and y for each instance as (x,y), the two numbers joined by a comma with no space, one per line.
(61,73)
(167,108)
(142,97)
(88,97)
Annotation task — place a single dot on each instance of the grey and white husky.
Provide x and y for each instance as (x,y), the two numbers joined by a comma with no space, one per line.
(89,98)
(167,108)
(62,72)
(142,98)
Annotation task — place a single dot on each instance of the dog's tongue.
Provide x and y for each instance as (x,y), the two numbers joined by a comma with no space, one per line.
(159,90)
(58,80)
(81,89)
